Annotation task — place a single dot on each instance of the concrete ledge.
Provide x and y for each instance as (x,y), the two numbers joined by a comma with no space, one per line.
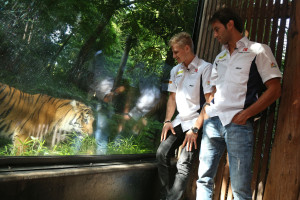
(57,171)
(111,181)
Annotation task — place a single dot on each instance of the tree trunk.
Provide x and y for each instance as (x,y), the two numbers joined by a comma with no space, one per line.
(283,180)
(128,46)
(86,49)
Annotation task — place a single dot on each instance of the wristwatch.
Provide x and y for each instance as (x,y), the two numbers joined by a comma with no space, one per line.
(205,104)
(195,130)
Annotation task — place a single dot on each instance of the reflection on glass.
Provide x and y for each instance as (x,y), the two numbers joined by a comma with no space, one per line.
(86,77)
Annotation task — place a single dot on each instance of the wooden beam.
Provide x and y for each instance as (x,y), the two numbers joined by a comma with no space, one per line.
(283,11)
(283,180)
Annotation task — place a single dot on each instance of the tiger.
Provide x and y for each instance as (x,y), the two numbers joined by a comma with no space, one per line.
(24,115)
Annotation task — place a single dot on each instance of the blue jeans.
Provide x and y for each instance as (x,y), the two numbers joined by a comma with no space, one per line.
(238,139)
(165,151)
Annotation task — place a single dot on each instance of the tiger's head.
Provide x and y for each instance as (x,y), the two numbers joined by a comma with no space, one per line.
(75,117)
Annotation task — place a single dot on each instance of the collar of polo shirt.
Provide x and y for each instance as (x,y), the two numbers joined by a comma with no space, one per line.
(241,43)
(192,65)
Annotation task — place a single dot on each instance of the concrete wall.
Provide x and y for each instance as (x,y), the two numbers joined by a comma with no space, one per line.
(110,181)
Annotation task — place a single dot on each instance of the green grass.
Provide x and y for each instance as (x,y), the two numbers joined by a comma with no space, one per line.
(75,145)
(129,145)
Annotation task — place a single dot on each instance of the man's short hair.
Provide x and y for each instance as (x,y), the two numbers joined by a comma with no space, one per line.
(224,15)
(182,39)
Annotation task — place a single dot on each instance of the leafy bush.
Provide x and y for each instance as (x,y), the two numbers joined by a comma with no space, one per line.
(80,145)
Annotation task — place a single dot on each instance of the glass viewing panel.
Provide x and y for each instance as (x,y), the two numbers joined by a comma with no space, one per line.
(86,77)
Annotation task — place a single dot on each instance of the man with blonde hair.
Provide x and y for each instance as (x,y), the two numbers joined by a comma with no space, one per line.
(189,87)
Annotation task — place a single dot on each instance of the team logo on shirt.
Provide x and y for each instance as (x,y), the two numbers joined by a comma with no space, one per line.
(208,82)
(224,55)
(196,70)
(245,50)
(179,72)
(273,65)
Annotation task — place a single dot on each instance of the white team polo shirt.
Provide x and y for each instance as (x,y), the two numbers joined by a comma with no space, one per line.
(186,83)
(237,78)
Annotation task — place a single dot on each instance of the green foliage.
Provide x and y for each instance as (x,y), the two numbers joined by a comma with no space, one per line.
(130,145)
(34,147)
(81,145)
(136,138)
(140,136)
(49,47)
(76,145)
(153,23)
(73,145)
(46,37)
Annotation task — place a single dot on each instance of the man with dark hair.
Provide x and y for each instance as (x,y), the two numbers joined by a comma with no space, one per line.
(188,81)
(237,73)
(225,15)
